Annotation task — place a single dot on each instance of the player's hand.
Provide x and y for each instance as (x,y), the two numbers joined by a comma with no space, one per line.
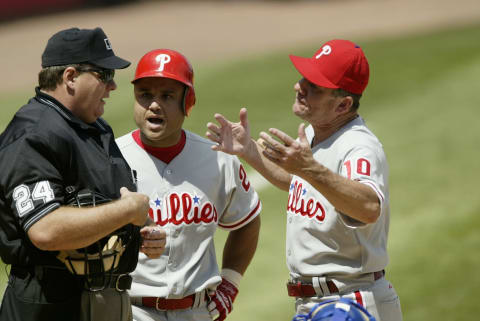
(231,138)
(153,241)
(293,156)
(137,204)
(221,300)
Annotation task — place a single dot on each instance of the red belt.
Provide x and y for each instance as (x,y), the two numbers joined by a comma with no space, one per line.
(299,289)
(168,304)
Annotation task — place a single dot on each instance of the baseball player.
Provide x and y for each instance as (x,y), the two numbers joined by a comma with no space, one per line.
(336,175)
(336,310)
(56,155)
(193,190)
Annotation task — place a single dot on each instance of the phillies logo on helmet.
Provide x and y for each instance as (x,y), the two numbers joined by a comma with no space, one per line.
(162,59)
(299,204)
(180,209)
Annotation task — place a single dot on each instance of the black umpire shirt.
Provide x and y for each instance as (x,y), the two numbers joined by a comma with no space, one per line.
(47,154)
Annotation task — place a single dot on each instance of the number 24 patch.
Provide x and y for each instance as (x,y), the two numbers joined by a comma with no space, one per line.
(24,198)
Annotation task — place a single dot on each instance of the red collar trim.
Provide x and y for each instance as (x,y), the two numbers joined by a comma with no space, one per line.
(165,154)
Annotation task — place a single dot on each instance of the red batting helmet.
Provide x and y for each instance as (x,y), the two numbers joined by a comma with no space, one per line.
(168,64)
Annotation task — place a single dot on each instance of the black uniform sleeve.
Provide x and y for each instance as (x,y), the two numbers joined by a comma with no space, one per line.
(34,187)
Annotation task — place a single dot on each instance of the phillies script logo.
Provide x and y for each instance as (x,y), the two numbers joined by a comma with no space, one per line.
(299,204)
(182,208)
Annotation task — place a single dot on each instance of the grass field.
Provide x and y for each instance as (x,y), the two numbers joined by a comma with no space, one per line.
(422,103)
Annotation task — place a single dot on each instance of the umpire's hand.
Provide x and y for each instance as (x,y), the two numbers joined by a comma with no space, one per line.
(137,205)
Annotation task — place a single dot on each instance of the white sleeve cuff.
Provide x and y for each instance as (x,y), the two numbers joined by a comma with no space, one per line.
(232,276)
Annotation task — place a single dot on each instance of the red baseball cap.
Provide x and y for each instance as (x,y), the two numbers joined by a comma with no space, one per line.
(337,64)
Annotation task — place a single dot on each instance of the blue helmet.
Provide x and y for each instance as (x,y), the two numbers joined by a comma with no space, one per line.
(336,310)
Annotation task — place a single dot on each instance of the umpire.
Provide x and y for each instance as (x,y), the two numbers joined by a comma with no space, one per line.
(69,255)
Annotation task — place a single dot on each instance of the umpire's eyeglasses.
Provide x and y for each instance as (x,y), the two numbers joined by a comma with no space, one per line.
(105,75)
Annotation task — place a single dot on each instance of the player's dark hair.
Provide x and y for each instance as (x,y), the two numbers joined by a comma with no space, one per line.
(339,92)
(50,77)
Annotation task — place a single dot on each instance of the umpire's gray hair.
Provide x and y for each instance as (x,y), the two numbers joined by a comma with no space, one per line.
(50,77)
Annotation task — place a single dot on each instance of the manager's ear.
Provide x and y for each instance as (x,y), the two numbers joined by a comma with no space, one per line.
(344,105)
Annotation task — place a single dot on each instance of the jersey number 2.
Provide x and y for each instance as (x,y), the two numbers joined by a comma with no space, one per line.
(243,176)
(24,199)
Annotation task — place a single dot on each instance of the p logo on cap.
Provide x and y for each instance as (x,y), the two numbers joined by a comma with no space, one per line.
(337,64)
(326,50)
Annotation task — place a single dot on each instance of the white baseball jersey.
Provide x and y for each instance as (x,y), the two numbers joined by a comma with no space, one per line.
(190,196)
(322,241)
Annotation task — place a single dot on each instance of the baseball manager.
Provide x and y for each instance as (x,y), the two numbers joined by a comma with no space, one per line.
(336,174)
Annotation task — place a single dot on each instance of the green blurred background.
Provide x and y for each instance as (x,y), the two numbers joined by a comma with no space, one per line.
(421,102)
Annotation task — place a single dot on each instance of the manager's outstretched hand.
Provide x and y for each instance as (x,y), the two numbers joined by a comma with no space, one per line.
(294,156)
(231,138)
